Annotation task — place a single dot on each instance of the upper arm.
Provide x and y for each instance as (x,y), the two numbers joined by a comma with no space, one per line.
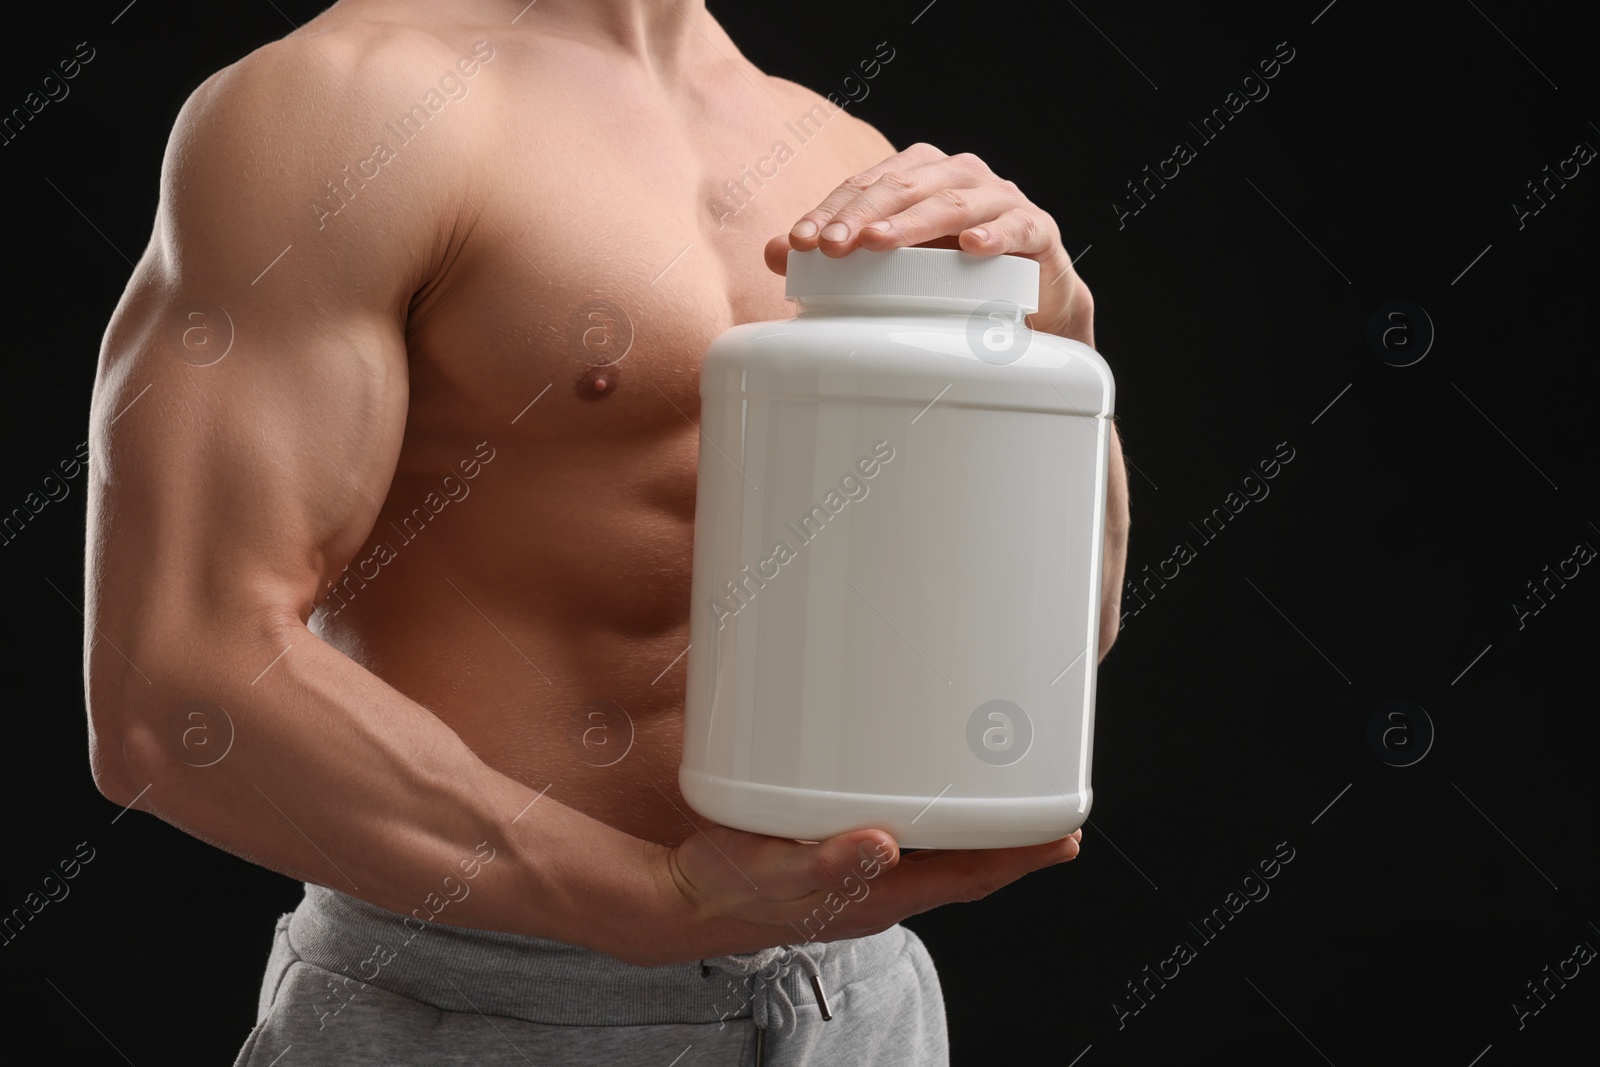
(224,491)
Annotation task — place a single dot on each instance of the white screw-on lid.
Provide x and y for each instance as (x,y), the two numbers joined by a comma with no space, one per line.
(919,272)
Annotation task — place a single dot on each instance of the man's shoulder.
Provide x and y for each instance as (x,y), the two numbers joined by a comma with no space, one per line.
(297,130)
(859,136)
(309,84)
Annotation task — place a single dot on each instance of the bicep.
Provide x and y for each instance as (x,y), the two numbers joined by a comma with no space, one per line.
(251,397)
(250,473)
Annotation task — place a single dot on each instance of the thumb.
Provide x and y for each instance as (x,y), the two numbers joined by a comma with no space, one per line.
(779,869)
(862,853)
(776,254)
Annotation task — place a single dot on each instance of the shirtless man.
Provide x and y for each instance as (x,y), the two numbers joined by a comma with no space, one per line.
(370,519)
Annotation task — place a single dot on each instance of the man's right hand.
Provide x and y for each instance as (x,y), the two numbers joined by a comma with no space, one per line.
(732,891)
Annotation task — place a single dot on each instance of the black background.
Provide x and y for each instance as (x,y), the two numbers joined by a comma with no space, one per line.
(1235,706)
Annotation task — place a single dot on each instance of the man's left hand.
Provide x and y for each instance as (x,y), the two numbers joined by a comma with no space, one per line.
(923,197)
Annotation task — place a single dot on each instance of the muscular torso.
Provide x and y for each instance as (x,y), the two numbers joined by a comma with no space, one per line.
(556,578)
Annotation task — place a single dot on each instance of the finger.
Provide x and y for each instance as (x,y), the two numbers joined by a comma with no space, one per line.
(958,187)
(808,870)
(779,870)
(881,897)
(803,234)
(776,252)
(942,876)
(1019,231)
(930,853)
(1066,304)
(947,211)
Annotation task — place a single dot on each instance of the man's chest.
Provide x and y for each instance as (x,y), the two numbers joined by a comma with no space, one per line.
(592,272)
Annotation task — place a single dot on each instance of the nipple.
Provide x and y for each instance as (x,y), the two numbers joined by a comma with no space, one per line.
(597,383)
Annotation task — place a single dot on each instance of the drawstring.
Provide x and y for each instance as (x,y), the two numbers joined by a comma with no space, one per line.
(770,1002)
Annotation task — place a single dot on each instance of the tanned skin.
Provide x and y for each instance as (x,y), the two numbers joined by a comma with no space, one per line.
(376,737)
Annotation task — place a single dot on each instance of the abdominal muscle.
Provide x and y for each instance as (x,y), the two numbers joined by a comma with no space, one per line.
(542,614)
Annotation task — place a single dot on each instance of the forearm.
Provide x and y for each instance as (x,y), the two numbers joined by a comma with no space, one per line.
(333,777)
(1115,548)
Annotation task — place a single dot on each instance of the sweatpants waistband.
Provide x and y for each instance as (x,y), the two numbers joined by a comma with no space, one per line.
(539,980)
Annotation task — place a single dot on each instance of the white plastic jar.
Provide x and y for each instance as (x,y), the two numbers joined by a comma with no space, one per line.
(897,559)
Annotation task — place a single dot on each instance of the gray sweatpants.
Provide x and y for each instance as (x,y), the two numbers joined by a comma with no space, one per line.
(348,982)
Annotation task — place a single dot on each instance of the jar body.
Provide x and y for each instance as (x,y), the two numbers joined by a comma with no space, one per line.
(896,585)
